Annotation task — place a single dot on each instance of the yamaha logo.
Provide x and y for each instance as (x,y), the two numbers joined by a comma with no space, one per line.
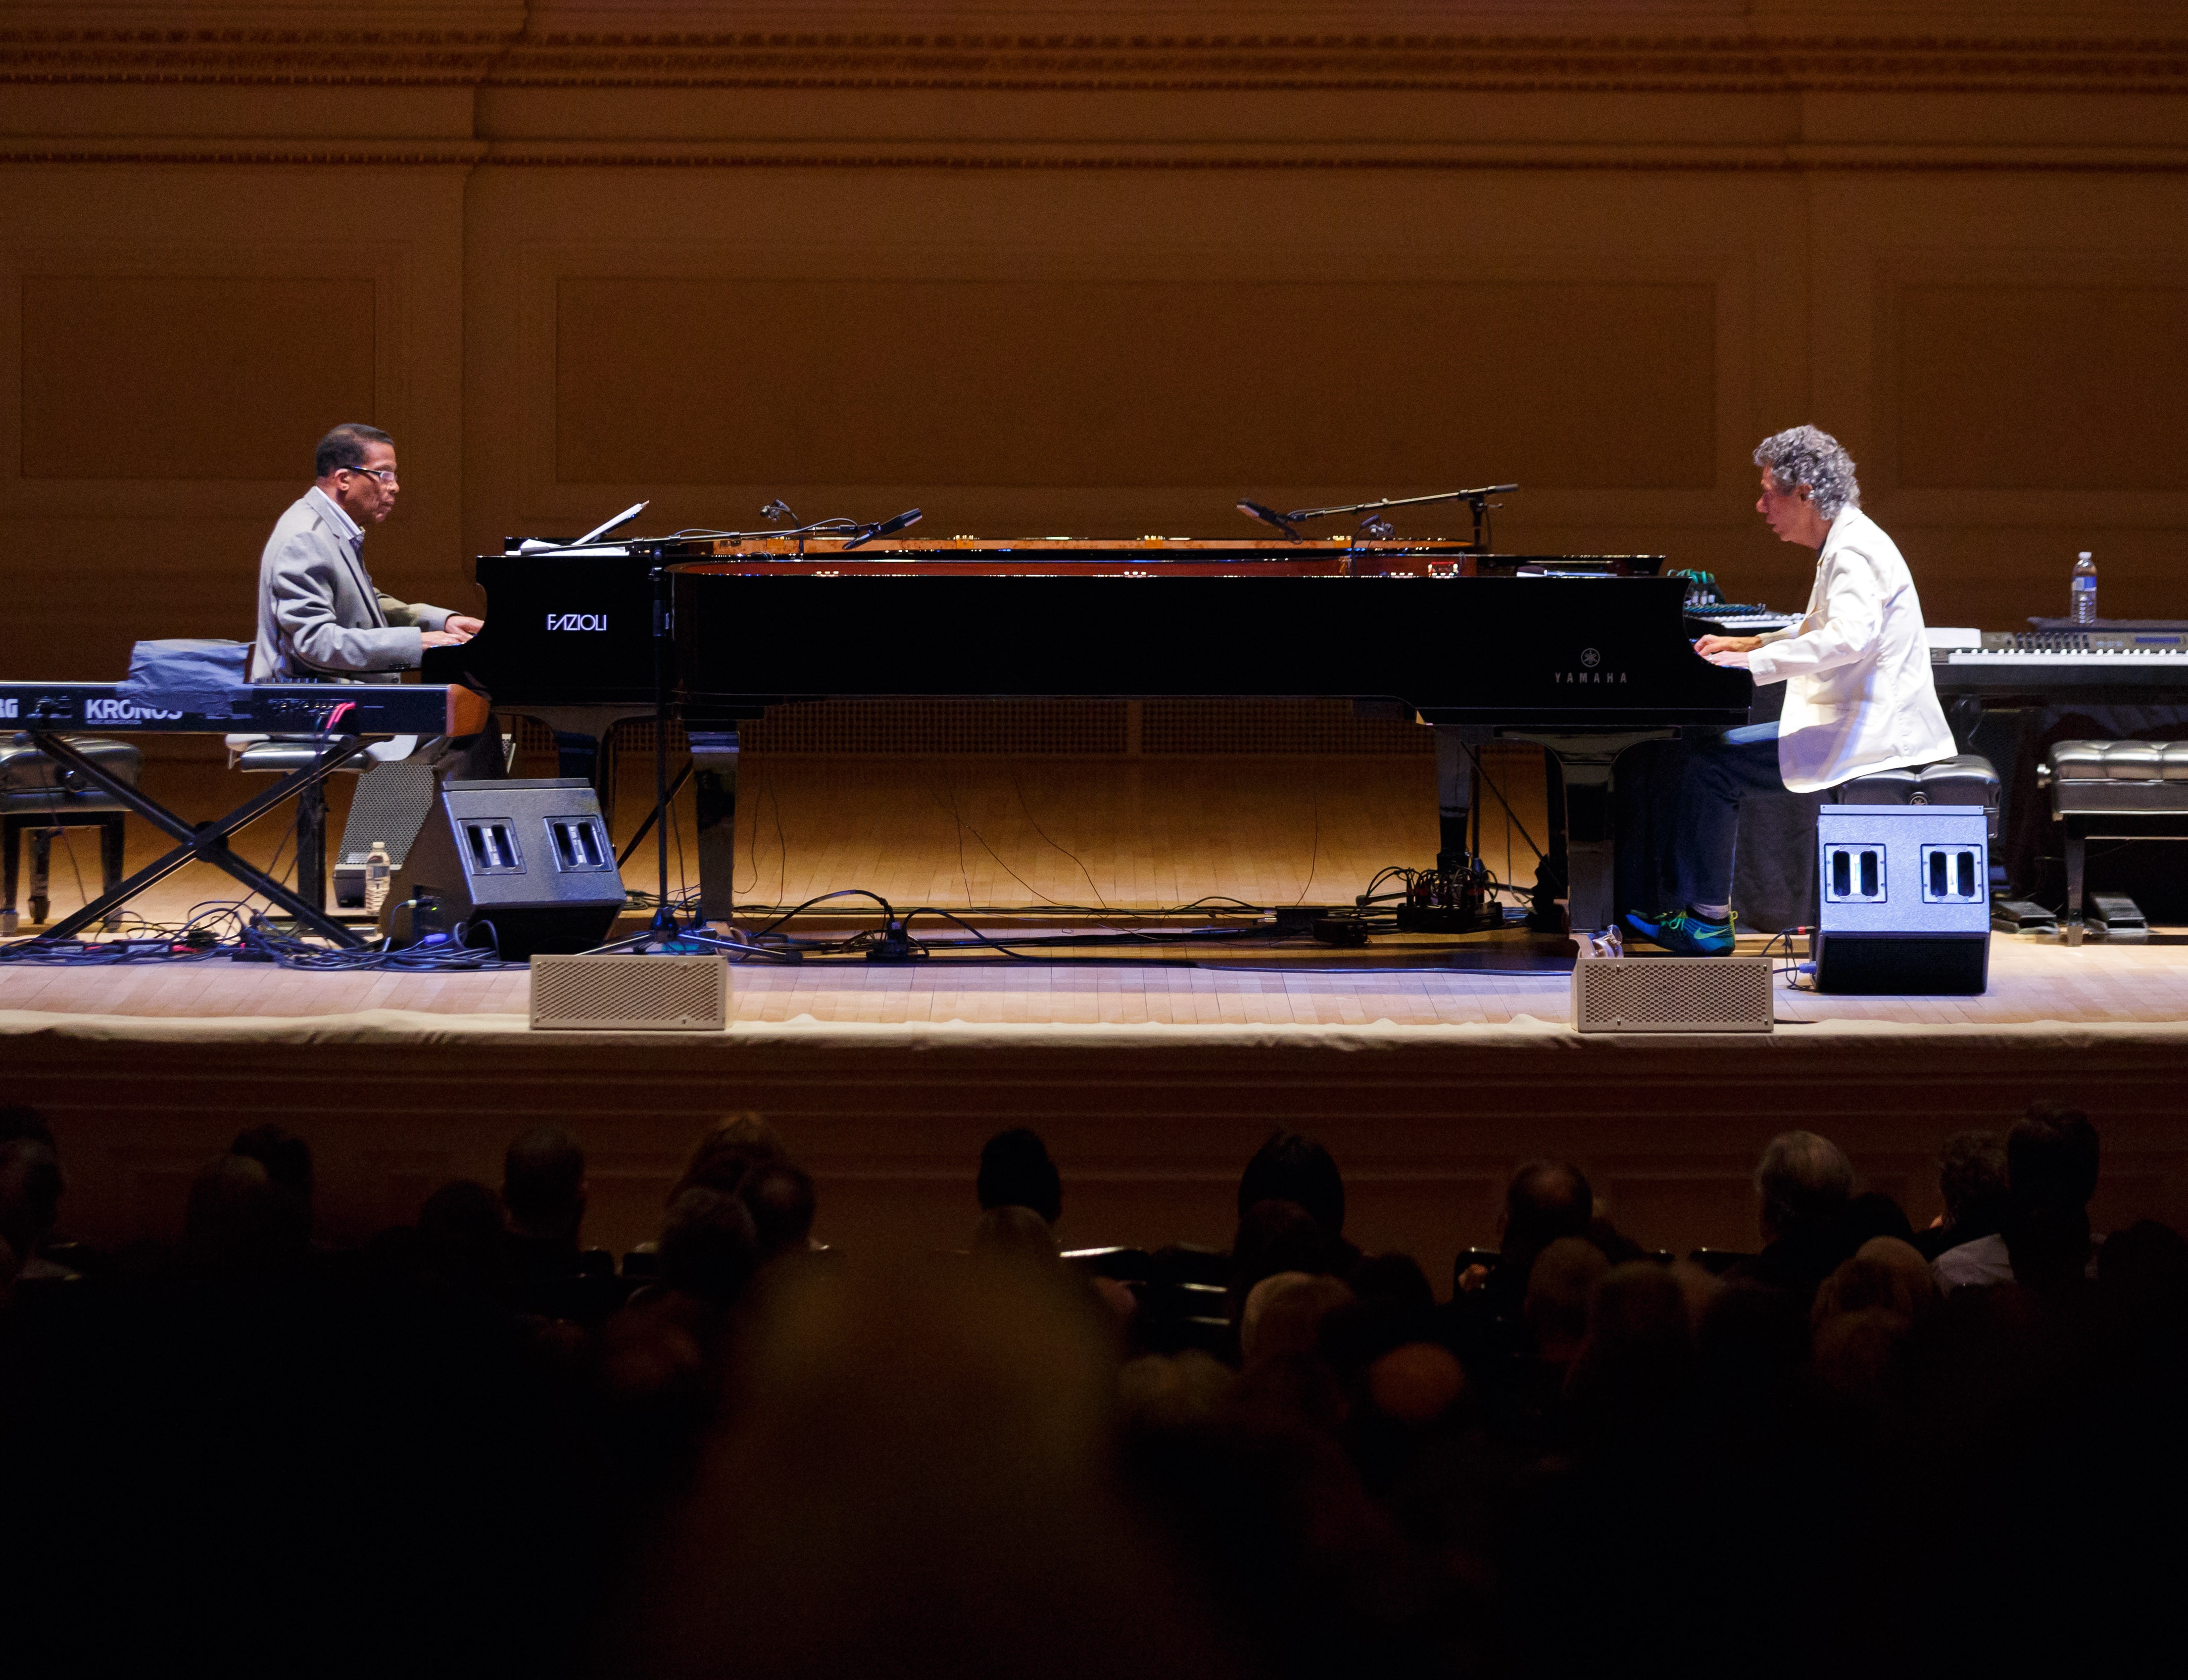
(120,711)
(1590,658)
(577,621)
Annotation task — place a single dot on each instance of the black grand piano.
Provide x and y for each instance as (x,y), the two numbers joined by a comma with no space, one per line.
(1586,655)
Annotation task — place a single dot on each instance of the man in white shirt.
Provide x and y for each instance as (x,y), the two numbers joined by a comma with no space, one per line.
(1859,693)
(320,617)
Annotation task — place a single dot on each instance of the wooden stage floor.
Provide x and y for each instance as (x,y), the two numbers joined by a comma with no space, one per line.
(1152,1085)
(2032,982)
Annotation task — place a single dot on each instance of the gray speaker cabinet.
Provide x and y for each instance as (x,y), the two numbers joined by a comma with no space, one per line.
(530,860)
(1904,894)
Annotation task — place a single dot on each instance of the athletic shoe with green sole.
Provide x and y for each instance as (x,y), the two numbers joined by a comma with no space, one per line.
(1683,931)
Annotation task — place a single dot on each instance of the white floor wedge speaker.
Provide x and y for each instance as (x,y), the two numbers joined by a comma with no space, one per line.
(630,994)
(1673,995)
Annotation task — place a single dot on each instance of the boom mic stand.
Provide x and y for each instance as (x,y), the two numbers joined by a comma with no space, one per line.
(1373,526)
(664,933)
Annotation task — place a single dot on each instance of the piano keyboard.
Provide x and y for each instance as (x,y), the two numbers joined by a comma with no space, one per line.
(2141,658)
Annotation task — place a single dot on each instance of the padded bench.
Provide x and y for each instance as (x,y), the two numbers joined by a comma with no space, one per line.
(1967,779)
(40,799)
(2114,790)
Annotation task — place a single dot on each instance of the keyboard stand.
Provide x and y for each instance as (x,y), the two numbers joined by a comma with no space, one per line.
(205,842)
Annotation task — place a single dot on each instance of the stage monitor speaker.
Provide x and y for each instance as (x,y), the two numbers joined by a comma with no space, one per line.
(391,805)
(625,994)
(525,866)
(1905,900)
(1673,995)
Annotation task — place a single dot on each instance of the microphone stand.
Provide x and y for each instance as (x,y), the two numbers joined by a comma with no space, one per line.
(1478,499)
(664,916)
(663,932)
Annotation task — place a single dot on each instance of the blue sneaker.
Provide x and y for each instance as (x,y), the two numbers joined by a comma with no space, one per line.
(1683,933)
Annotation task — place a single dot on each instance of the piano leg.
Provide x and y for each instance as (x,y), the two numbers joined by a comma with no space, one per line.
(1586,762)
(578,755)
(2077,851)
(312,846)
(714,791)
(1455,791)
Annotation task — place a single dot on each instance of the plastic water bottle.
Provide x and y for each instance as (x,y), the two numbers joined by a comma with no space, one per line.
(2085,590)
(379,868)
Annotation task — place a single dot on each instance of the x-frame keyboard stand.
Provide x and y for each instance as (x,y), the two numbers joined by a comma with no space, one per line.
(206,842)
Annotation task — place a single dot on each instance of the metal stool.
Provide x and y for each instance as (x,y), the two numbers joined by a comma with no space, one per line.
(2114,790)
(280,755)
(38,797)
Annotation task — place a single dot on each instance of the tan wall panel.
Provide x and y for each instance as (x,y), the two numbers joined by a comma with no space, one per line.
(232,310)
(2042,387)
(1032,382)
(178,376)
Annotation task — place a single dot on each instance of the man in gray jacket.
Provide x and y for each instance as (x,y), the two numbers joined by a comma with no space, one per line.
(319,616)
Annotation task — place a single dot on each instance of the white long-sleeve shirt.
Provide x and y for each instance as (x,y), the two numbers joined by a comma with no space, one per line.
(1858,692)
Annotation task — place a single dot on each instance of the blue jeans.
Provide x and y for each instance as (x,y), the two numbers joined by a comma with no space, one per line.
(1719,775)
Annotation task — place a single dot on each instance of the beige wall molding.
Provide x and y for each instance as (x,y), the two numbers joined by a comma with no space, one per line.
(1710,64)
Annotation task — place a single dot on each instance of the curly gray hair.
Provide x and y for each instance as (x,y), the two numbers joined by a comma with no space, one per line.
(1804,456)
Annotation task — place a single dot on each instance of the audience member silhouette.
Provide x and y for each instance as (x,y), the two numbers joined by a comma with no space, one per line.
(1016,1172)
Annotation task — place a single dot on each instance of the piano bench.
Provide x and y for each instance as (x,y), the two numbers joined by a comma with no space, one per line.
(38,797)
(2114,790)
(1966,780)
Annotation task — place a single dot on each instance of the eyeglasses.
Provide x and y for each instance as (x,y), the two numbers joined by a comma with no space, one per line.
(385,475)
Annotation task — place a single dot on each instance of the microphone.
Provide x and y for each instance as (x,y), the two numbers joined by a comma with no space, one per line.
(1253,509)
(888,527)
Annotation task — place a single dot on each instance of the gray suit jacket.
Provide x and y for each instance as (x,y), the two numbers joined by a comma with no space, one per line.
(318,614)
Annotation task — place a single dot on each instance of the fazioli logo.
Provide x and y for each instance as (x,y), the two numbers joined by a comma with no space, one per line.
(577,621)
(120,711)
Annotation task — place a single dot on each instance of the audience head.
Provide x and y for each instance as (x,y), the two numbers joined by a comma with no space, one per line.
(1014,1232)
(1804,1182)
(30,1181)
(1285,1311)
(460,1236)
(1416,1383)
(240,1223)
(730,1148)
(1274,1236)
(1873,1214)
(709,1247)
(2143,1271)
(1291,1168)
(2051,1157)
(1886,1274)
(286,1157)
(779,1196)
(1016,1172)
(1971,1179)
(916,1483)
(1546,1201)
(543,1183)
(1638,1351)
(1561,1285)
(2052,1173)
